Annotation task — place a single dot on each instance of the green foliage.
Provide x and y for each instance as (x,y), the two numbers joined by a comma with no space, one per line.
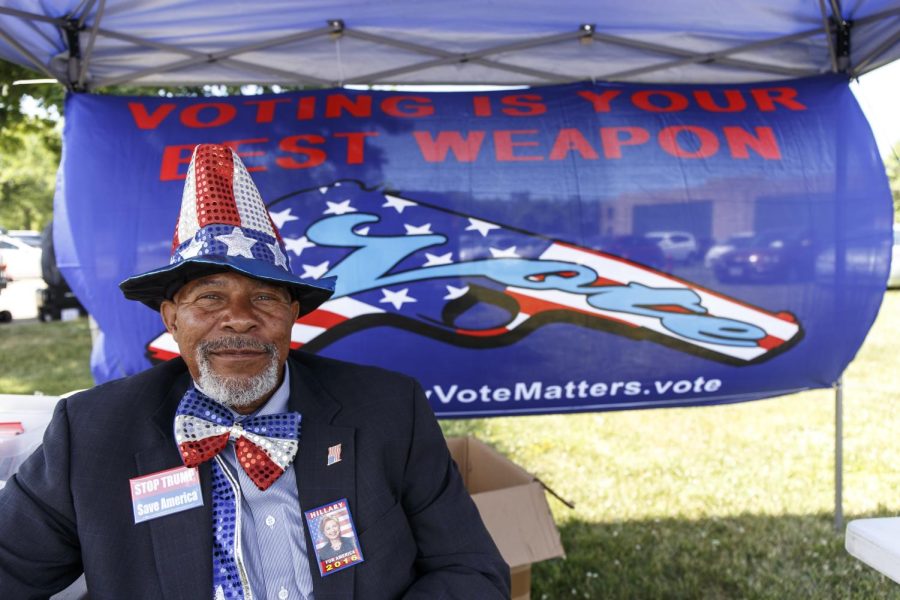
(47,97)
(29,148)
(30,140)
(28,163)
(892,165)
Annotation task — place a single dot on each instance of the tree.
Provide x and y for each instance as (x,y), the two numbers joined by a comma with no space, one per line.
(47,97)
(28,165)
(30,139)
(30,144)
(28,161)
(892,165)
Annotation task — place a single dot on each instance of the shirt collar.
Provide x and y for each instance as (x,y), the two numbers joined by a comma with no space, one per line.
(278,403)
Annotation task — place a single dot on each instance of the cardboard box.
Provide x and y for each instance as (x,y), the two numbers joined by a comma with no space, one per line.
(513,506)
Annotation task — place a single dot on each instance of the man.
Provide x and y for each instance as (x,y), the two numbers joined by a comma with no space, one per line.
(280,439)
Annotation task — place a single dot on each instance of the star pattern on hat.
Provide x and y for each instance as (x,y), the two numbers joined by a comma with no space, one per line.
(192,249)
(238,244)
(224,221)
(280,259)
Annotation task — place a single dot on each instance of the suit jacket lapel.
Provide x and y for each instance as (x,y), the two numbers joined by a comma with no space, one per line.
(182,542)
(319,483)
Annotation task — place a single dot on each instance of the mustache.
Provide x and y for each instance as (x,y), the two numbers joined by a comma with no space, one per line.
(234,343)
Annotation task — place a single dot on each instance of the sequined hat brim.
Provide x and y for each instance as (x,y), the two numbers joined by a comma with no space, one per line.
(152,287)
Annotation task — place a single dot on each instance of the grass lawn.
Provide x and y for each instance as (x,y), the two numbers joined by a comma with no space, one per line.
(48,358)
(728,501)
(719,502)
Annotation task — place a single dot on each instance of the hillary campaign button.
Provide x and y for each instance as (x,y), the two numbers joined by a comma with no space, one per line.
(334,537)
(165,493)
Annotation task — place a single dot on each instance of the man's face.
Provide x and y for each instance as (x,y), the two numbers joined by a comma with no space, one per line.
(232,329)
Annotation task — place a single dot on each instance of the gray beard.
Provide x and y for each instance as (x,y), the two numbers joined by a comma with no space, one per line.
(236,392)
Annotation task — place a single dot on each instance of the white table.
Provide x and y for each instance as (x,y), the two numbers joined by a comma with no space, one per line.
(34,413)
(876,542)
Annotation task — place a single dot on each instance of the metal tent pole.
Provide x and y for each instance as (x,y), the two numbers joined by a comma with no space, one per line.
(839,455)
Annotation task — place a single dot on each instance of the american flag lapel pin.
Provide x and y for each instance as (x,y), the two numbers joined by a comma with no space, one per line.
(334,454)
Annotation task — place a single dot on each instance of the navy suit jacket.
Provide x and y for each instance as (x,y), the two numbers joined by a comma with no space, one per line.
(69,509)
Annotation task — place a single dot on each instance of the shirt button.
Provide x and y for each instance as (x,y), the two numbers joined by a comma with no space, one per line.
(282,593)
(270,521)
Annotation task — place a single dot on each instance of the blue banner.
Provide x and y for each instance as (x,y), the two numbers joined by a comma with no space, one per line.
(572,248)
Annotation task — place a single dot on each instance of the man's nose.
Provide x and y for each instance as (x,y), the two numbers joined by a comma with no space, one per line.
(239,315)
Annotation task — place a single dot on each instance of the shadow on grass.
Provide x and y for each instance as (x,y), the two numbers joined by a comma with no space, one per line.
(747,556)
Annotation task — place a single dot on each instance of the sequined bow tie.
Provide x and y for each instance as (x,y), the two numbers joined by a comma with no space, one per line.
(265,445)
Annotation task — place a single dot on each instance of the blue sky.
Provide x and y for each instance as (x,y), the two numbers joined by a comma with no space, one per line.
(878,92)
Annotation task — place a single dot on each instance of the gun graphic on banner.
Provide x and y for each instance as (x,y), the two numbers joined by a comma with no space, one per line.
(401,262)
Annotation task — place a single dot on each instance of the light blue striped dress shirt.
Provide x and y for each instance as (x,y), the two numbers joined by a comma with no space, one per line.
(272,523)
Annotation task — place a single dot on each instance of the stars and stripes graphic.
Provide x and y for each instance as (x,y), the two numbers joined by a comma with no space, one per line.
(218,191)
(472,282)
(334,455)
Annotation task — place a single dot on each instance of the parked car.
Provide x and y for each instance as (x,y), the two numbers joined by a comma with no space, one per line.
(5,315)
(718,250)
(23,261)
(770,256)
(29,236)
(52,300)
(3,278)
(894,277)
(677,246)
(634,248)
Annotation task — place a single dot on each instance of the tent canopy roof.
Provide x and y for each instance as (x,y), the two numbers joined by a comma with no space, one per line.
(91,44)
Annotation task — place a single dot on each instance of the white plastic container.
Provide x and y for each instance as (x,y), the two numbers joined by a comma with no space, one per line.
(876,542)
(34,413)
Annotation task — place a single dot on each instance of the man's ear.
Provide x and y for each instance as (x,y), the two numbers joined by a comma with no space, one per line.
(295,306)
(168,311)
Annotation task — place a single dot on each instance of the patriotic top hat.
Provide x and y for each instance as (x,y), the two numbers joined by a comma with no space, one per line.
(223,226)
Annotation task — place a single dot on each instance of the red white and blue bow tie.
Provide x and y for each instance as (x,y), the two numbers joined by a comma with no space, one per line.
(265,445)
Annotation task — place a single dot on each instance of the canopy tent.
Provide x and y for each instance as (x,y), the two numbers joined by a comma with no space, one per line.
(91,44)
